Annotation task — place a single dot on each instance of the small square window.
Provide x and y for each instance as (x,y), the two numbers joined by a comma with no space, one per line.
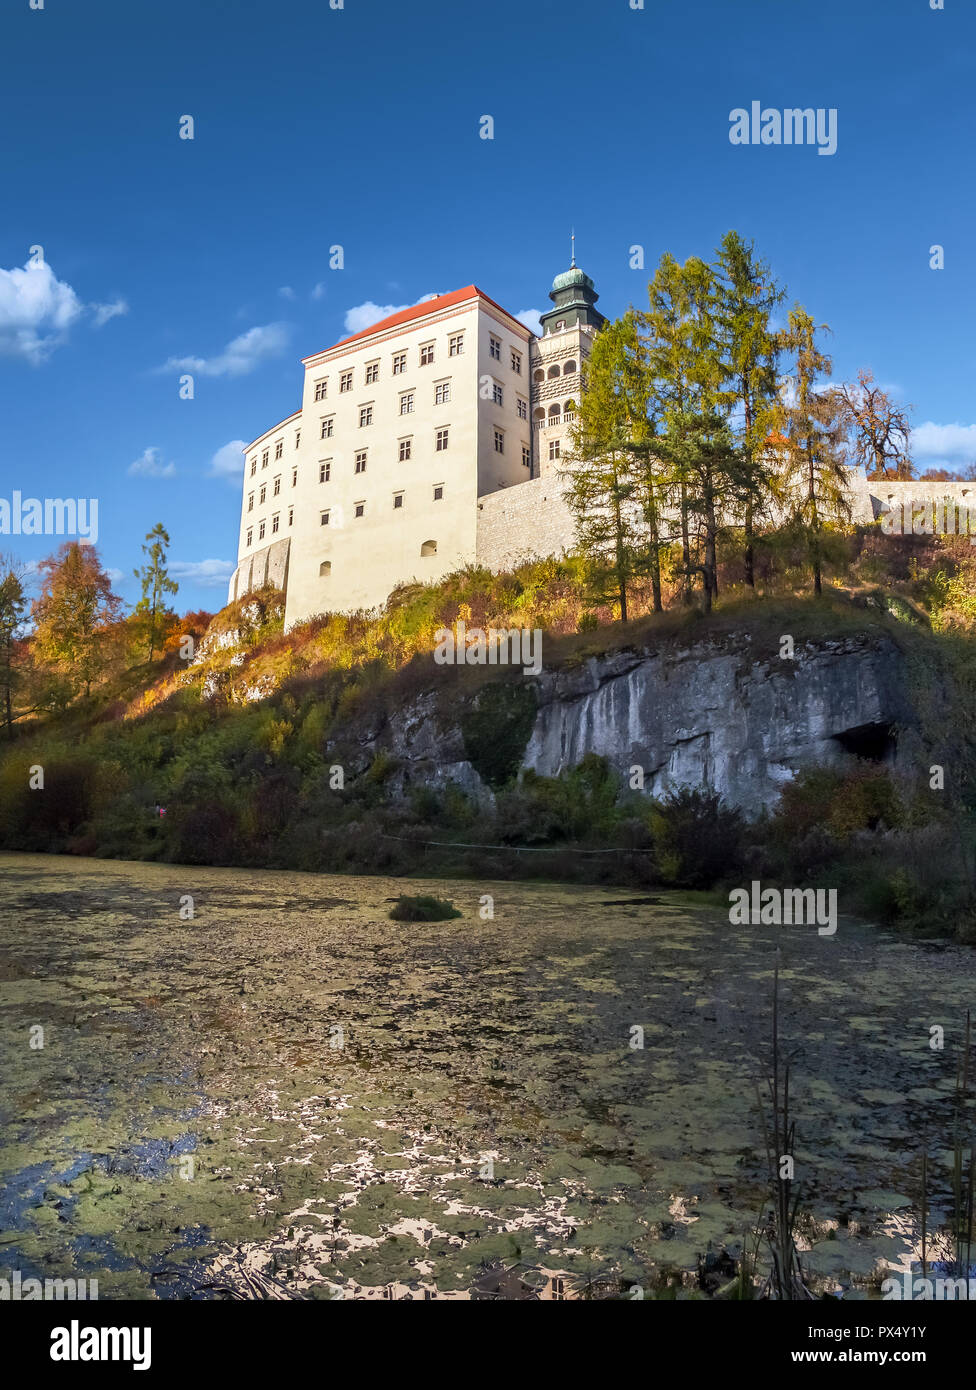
(261,531)
(277,486)
(361,461)
(495,349)
(405,449)
(360,509)
(323,518)
(399,363)
(345,381)
(554,448)
(438,493)
(321,389)
(497,394)
(279,448)
(517,362)
(523,408)
(325,470)
(327,427)
(250,534)
(442,393)
(397,500)
(426,354)
(455,345)
(365,415)
(441,441)
(372,373)
(406,403)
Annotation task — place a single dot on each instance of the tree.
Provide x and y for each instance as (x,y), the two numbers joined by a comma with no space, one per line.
(601,481)
(156,583)
(879,428)
(747,296)
(811,421)
(72,615)
(13,606)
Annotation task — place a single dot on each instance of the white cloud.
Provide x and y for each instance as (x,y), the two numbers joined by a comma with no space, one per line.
(104,312)
(209,574)
(530,317)
(240,356)
(115,576)
(228,461)
(287,292)
(944,443)
(318,291)
(36,312)
(150,464)
(363,316)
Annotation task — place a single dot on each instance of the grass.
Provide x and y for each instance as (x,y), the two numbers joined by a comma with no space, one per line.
(422,907)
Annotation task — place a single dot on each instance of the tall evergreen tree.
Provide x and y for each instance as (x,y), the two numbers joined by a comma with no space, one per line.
(811,421)
(747,298)
(13,606)
(156,583)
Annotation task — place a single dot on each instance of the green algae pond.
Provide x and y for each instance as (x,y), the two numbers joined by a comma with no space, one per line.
(276,1091)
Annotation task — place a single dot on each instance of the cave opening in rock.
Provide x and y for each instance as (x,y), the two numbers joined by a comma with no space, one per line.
(875,743)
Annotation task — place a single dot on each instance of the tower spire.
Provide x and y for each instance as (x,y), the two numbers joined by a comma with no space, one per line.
(573,240)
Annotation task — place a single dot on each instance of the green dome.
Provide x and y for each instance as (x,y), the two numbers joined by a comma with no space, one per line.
(569,278)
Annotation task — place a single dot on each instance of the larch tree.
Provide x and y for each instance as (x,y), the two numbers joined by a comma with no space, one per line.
(72,616)
(151,609)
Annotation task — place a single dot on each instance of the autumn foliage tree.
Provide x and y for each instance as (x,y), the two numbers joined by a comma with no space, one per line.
(74,617)
(878,429)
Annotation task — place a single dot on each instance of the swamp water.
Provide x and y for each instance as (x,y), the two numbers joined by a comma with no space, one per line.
(292,1095)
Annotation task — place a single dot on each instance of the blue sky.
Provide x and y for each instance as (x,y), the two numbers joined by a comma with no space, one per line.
(360,127)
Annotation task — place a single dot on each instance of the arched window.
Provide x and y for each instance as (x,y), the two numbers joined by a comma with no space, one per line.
(325,568)
(554,412)
(569,368)
(539,413)
(569,406)
(429,548)
(539,375)
(554,371)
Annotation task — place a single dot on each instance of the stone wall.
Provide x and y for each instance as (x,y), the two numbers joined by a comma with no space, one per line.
(528,520)
(267,566)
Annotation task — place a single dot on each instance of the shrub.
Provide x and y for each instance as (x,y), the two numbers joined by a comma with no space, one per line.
(422,908)
(699,840)
(496,729)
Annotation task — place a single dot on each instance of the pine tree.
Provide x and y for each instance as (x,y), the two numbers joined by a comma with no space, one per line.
(747,298)
(811,421)
(156,583)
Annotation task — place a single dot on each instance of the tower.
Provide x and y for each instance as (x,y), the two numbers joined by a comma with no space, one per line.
(568,330)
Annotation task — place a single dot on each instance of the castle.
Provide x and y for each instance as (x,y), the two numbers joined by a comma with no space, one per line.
(432,440)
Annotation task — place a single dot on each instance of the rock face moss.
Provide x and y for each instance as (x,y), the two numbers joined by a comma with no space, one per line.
(496,729)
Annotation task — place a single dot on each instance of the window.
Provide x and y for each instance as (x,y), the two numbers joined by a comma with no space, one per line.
(325,470)
(250,501)
(323,518)
(569,368)
(560,325)
(360,509)
(264,459)
(361,461)
(325,569)
(298,438)
(523,408)
(406,403)
(494,348)
(372,373)
(554,371)
(322,389)
(499,442)
(277,486)
(526,456)
(441,443)
(274,523)
(497,394)
(279,448)
(442,393)
(538,375)
(327,427)
(291,515)
(345,381)
(438,492)
(399,363)
(429,548)
(397,500)
(294,476)
(264,492)
(516,362)
(455,345)
(254,465)
(250,534)
(365,415)
(554,448)
(260,530)
(405,449)
(426,354)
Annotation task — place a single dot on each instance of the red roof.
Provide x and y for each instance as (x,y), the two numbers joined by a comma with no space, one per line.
(419,311)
